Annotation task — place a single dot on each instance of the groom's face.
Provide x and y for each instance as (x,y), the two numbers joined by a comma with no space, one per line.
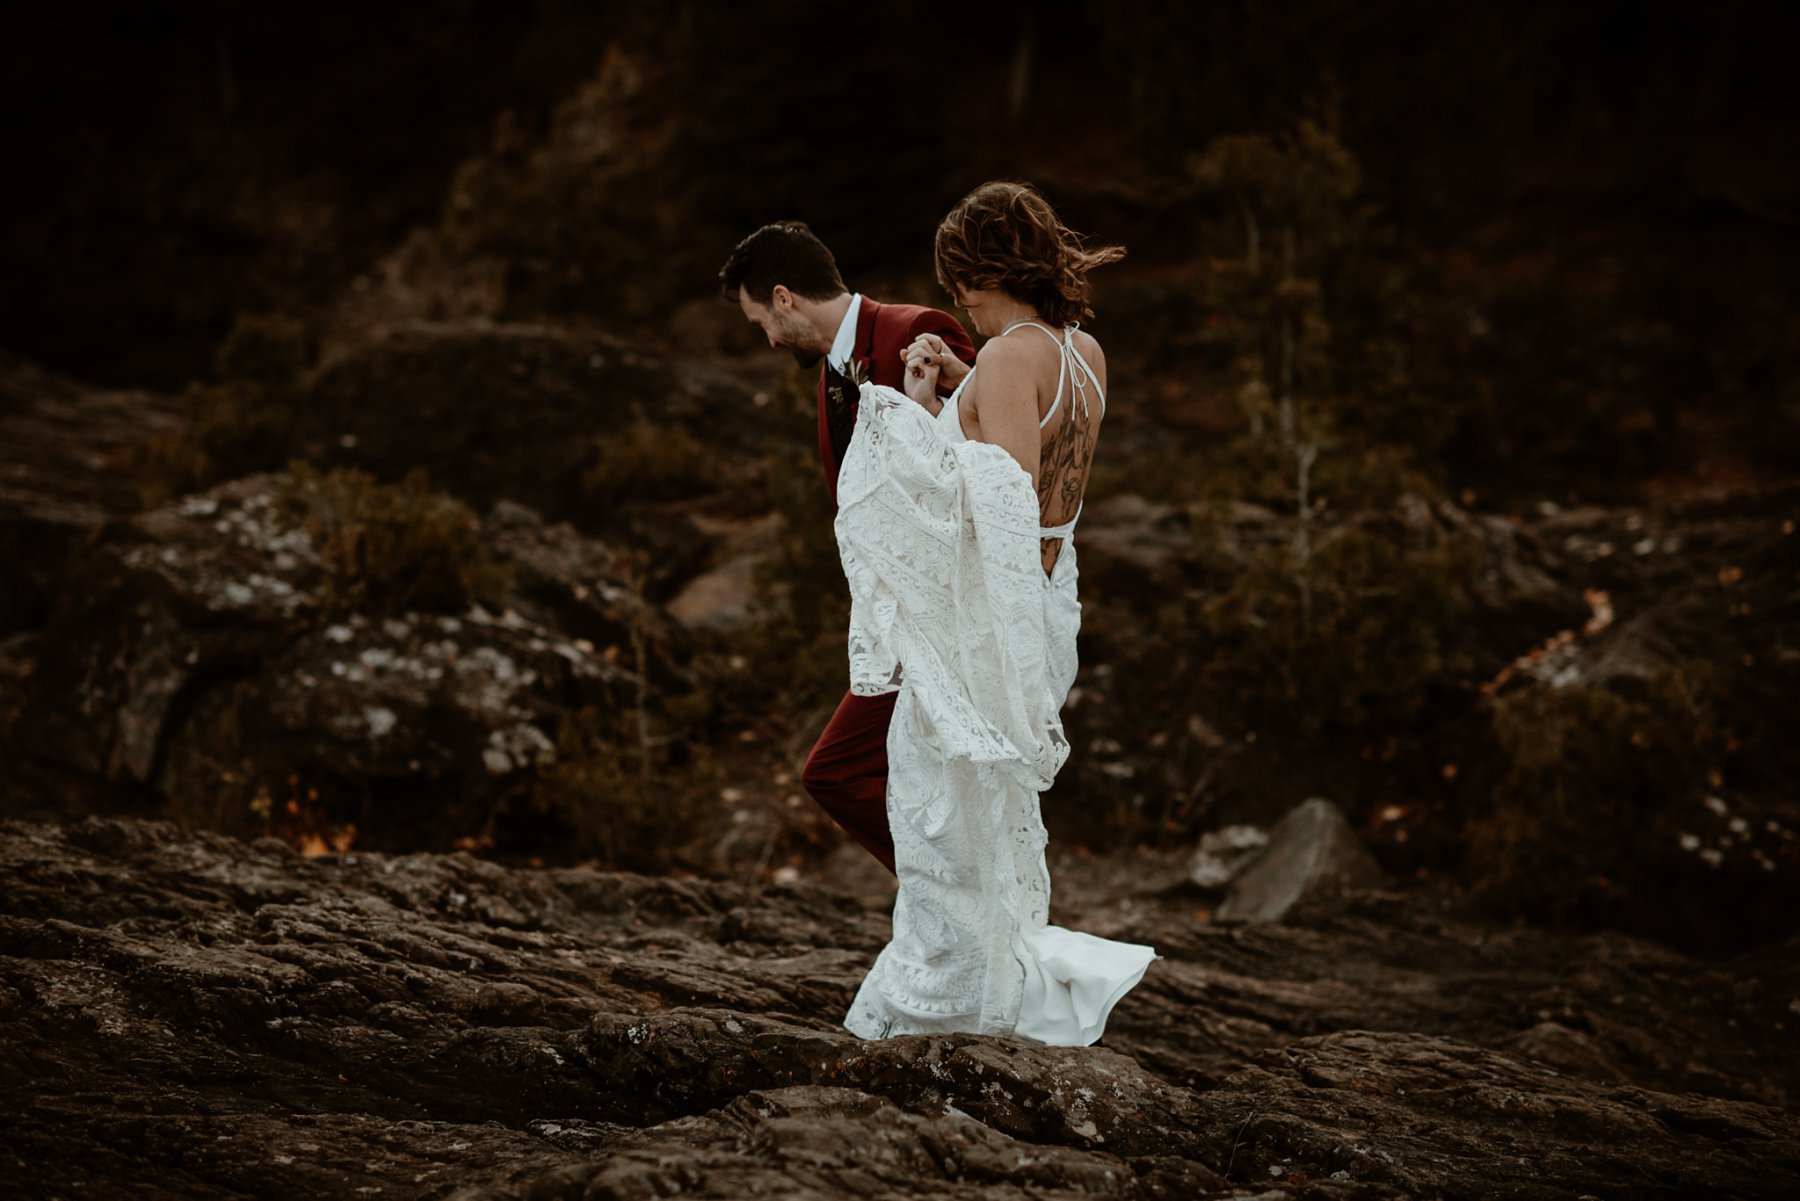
(784,328)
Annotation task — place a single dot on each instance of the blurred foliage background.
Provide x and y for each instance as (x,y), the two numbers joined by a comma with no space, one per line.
(1434,318)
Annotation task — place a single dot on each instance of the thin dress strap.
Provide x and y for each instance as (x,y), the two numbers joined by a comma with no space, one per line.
(1072,353)
(1065,346)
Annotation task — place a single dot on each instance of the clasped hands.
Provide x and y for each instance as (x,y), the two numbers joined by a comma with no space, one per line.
(928,361)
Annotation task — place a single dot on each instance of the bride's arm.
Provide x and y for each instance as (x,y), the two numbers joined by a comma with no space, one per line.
(936,350)
(920,384)
(931,367)
(1005,402)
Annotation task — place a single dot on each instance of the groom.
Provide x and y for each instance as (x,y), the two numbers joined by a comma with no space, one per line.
(787,284)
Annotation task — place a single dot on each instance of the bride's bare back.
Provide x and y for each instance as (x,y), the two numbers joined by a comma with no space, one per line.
(1070,385)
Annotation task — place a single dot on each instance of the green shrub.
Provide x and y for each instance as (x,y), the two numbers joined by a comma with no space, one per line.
(1362,632)
(614,789)
(242,423)
(1170,475)
(1590,772)
(1313,302)
(389,548)
(647,461)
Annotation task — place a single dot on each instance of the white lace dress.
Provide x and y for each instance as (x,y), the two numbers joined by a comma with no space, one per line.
(951,608)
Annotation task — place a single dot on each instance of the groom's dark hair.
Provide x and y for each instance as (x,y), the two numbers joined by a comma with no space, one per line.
(786,253)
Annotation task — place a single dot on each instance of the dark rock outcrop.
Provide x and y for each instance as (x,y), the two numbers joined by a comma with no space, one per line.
(518,411)
(1593,732)
(65,456)
(196,659)
(193,1017)
(1650,775)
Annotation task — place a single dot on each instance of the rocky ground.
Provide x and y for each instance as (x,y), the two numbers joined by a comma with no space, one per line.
(188,1016)
(1604,735)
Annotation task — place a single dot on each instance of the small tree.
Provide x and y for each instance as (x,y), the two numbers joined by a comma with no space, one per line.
(1293,198)
(243,422)
(1329,623)
(1298,189)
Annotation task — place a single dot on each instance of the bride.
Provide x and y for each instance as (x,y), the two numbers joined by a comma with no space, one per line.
(956,524)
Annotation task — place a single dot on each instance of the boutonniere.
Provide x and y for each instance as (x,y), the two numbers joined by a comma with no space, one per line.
(845,387)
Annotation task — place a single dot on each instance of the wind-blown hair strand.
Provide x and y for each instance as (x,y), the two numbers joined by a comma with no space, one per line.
(1004,234)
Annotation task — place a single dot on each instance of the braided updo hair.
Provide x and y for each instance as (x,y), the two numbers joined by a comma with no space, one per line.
(1006,235)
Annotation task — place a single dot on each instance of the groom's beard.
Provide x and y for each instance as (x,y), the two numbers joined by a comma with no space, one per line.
(801,341)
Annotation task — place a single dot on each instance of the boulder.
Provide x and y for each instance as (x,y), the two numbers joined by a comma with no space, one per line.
(718,599)
(1225,852)
(584,589)
(494,411)
(1312,853)
(66,453)
(1140,546)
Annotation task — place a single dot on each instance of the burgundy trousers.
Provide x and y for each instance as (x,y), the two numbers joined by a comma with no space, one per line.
(846,773)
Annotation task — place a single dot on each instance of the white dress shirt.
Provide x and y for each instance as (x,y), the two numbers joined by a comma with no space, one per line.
(844,345)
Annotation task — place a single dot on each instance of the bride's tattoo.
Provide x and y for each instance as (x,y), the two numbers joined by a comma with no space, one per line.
(1062,471)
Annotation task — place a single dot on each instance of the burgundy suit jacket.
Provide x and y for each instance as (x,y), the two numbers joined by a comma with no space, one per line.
(882,332)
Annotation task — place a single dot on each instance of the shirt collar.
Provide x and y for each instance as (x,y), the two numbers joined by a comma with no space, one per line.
(844,345)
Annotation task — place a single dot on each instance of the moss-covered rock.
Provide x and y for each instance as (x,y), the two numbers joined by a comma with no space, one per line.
(341,663)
